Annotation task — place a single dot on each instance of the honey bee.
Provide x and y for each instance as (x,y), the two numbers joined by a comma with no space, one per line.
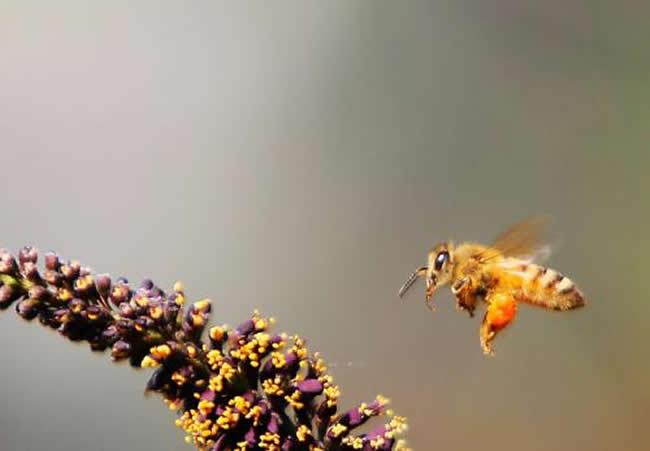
(500,275)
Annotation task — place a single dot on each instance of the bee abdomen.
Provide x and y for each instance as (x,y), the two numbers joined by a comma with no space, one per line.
(550,289)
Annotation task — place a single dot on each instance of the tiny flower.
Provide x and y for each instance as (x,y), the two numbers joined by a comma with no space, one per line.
(52,262)
(121,350)
(9,292)
(27,254)
(28,308)
(71,270)
(7,262)
(310,387)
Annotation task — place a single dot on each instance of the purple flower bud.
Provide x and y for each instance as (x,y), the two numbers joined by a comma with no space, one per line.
(208,395)
(147,284)
(27,254)
(376,408)
(28,308)
(379,432)
(85,271)
(125,326)
(310,387)
(170,312)
(37,292)
(7,262)
(196,319)
(110,334)
(103,284)
(30,271)
(7,296)
(71,270)
(222,443)
(95,313)
(250,437)
(84,284)
(61,316)
(54,278)
(287,445)
(274,425)
(353,418)
(120,293)
(245,328)
(77,306)
(144,322)
(52,262)
(127,310)
(121,350)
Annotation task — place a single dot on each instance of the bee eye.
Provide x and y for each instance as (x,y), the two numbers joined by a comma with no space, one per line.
(441,259)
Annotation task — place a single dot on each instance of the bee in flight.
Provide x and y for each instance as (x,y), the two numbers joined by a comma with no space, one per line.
(500,275)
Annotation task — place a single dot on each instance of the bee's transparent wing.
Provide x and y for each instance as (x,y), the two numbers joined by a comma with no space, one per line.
(524,240)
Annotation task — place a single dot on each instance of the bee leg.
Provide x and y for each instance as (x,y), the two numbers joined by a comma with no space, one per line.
(463,306)
(429,303)
(428,298)
(501,311)
(462,299)
(459,285)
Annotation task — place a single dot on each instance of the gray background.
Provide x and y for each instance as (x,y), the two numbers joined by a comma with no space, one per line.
(300,158)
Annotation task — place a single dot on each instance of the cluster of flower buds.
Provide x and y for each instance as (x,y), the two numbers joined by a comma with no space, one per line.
(239,389)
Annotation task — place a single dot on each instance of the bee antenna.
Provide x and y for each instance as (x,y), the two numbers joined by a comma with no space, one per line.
(411,280)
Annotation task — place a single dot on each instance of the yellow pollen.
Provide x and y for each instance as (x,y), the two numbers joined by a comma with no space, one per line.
(205,407)
(278,359)
(197,319)
(64,295)
(179,379)
(180,300)
(148,362)
(294,400)
(156,312)
(202,304)
(216,333)
(337,430)
(302,433)
(160,352)
(239,403)
(142,301)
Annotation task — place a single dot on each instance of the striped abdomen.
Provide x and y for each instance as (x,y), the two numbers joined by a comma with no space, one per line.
(548,288)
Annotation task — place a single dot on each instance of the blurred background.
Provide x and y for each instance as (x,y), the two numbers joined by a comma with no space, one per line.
(301,158)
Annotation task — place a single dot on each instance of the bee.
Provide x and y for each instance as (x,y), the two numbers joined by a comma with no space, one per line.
(500,275)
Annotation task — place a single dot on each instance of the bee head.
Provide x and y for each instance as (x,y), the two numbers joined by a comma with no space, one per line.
(437,272)
(439,267)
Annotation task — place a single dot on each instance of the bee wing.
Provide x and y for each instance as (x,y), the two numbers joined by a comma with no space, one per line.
(524,240)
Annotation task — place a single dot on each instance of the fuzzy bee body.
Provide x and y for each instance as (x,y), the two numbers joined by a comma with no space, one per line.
(501,275)
(545,287)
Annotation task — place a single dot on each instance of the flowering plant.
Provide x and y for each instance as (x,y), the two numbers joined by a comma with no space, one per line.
(240,389)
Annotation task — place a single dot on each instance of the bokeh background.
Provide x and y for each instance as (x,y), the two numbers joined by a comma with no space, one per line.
(301,158)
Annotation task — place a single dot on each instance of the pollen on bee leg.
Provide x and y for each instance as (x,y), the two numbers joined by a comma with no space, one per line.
(501,311)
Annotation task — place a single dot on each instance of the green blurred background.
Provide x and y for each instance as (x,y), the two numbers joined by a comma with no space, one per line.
(301,158)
